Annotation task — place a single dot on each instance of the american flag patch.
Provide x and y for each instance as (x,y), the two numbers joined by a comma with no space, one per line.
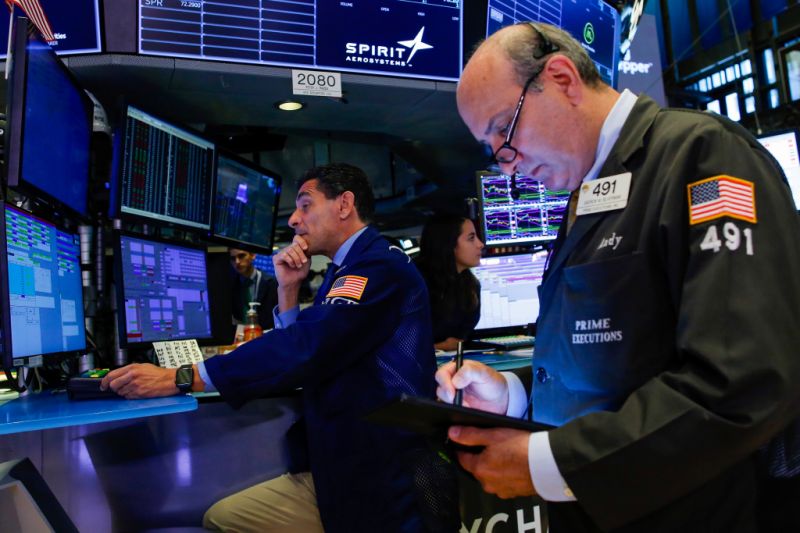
(348,286)
(721,196)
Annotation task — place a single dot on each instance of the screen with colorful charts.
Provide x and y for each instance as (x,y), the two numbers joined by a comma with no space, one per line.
(531,214)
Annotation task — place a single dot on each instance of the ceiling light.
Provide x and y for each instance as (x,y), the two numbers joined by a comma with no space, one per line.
(289,105)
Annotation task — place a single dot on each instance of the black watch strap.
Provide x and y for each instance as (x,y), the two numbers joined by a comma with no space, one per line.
(184,378)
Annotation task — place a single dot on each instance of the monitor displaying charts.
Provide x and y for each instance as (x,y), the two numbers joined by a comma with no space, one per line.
(533,217)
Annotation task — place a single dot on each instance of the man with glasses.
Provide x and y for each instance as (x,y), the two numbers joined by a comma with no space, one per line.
(654,358)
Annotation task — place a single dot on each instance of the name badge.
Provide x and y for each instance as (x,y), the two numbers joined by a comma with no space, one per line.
(604,194)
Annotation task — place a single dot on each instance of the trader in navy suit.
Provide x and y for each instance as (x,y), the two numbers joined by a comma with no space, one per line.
(366,340)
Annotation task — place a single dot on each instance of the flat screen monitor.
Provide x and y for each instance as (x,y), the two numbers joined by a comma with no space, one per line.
(406,38)
(594,23)
(245,204)
(783,147)
(531,214)
(75,25)
(509,291)
(41,297)
(164,173)
(49,124)
(162,291)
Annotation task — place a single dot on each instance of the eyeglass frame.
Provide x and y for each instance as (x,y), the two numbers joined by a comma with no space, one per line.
(545,48)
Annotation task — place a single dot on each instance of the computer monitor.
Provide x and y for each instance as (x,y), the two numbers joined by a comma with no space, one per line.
(164,173)
(49,124)
(783,147)
(245,204)
(40,291)
(594,23)
(523,214)
(162,291)
(509,292)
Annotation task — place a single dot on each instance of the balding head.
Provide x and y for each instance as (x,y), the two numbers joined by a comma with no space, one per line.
(559,124)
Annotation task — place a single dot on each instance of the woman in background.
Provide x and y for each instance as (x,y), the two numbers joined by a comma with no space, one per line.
(449,247)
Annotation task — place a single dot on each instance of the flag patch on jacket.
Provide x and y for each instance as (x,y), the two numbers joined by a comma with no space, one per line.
(721,196)
(348,287)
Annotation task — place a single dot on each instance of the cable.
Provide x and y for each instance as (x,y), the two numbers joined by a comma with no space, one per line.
(739,47)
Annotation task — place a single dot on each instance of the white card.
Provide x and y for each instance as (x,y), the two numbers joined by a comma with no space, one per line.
(604,194)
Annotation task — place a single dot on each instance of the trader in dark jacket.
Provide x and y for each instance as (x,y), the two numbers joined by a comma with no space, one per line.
(667,339)
(251,284)
(366,340)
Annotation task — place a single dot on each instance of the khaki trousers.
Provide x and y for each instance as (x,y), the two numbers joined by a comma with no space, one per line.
(286,504)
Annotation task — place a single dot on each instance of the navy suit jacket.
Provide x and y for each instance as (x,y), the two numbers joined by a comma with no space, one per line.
(351,354)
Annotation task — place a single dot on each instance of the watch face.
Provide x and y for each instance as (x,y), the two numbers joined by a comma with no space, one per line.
(184,378)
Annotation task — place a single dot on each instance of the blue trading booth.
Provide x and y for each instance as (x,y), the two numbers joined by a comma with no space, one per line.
(143,139)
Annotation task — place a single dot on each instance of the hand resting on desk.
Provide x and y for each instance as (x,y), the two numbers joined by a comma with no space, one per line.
(141,381)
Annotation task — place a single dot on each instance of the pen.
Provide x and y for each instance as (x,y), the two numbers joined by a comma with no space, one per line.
(459,362)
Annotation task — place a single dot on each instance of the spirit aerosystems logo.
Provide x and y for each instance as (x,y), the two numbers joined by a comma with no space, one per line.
(391,55)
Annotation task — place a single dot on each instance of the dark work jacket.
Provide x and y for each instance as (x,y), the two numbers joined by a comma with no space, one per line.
(352,355)
(667,351)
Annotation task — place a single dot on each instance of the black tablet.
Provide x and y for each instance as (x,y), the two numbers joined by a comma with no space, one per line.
(429,417)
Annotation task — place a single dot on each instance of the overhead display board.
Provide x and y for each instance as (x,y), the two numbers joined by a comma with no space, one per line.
(594,23)
(75,25)
(408,38)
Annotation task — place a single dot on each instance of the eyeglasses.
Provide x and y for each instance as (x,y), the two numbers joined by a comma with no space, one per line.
(507,153)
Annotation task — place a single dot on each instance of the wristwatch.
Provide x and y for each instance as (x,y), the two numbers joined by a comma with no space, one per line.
(184,378)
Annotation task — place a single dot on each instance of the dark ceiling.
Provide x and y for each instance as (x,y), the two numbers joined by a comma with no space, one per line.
(416,119)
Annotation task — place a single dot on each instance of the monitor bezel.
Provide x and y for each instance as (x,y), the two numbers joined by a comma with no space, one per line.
(8,359)
(15,113)
(118,161)
(229,241)
(119,288)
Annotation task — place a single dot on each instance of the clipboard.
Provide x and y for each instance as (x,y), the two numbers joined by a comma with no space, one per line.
(431,417)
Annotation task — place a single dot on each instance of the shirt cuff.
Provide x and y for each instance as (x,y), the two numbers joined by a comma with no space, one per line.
(287,318)
(201,369)
(546,478)
(517,396)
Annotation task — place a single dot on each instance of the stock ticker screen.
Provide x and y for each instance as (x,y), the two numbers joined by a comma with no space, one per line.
(75,25)
(594,23)
(408,38)
(165,172)
(533,217)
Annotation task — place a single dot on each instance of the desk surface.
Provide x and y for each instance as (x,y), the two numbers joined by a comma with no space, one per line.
(498,360)
(54,409)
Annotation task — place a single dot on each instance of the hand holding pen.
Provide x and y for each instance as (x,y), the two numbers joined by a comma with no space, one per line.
(459,361)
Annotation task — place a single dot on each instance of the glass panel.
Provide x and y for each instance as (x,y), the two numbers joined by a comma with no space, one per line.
(732,105)
(713,106)
(769,66)
(715,78)
(750,104)
(730,74)
(774,98)
(746,67)
(748,85)
(703,86)
(793,73)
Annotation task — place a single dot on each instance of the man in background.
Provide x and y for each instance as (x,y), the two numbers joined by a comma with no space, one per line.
(251,284)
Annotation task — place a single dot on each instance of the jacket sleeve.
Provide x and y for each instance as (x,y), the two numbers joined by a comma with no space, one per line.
(325,339)
(735,377)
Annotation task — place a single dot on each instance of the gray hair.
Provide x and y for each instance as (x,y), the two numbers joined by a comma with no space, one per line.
(523,45)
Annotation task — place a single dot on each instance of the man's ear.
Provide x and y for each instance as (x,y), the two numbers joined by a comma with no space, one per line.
(347,202)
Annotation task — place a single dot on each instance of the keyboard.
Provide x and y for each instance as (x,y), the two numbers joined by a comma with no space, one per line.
(510,342)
